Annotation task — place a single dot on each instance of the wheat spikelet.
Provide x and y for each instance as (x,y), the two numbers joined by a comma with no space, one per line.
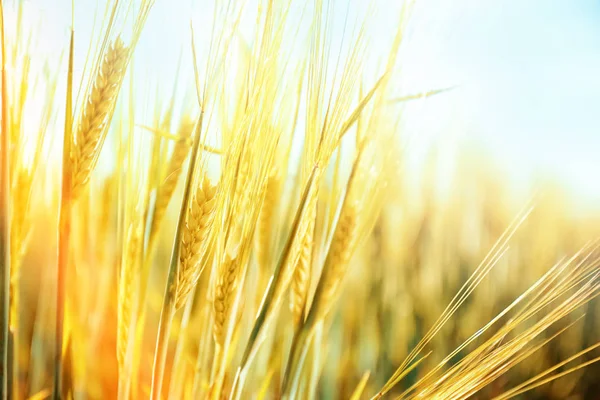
(223,296)
(127,288)
(171,176)
(195,231)
(266,221)
(91,131)
(301,278)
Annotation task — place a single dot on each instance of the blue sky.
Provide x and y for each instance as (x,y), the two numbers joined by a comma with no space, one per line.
(529,81)
(527,74)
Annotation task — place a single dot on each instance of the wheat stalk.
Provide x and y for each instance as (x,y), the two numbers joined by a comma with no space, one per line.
(489,261)
(97,113)
(21,181)
(336,263)
(349,229)
(64,228)
(167,183)
(195,232)
(4,223)
(168,306)
(567,286)
(282,277)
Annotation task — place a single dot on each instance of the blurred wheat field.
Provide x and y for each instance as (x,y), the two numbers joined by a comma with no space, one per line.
(258,231)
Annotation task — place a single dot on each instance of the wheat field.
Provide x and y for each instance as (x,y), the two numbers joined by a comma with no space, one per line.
(256,231)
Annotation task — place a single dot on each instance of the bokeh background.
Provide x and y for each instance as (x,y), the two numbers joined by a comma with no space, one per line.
(518,118)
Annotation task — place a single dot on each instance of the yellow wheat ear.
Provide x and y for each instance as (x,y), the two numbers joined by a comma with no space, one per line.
(193,242)
(128,287)
(302,271)
(93,127)
(223,301)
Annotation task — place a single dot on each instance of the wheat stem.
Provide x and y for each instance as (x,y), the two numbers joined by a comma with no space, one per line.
(179,362)
(277,285)
(168,307)
(64,230)
(4,226)
(165,190)
(334,269)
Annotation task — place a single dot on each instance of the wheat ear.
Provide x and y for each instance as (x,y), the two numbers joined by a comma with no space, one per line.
(342,246)
(224,295)
(301,278)
(195,232)
(127,288)
(336,263)
(230,269)
(97,111)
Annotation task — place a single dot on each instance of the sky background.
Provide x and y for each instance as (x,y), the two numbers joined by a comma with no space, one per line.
(529,82)
(526,73)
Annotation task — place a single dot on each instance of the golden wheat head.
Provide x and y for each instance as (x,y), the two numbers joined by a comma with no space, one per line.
(195,232)
(92,129)
(127,287)
(224,295)
(301,277)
